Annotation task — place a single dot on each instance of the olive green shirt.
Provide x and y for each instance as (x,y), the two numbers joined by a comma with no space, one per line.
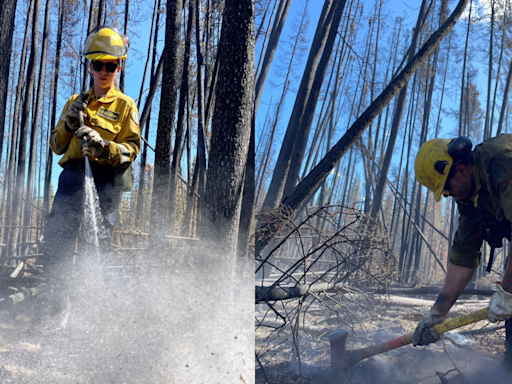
(492,173)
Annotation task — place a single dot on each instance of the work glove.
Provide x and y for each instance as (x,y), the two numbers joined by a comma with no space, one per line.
(500,306)
(71,115)
(86,132)
(423,335)
(96,144)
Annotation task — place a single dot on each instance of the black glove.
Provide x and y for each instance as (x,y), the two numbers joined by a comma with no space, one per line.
(425,336)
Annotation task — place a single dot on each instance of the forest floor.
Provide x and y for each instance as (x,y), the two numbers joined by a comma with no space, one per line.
(472,357)
(133,322)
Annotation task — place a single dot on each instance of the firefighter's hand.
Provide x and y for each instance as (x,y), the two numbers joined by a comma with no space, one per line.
(97,145)
(86,132)
(71,115)
(500,306)
(423,335)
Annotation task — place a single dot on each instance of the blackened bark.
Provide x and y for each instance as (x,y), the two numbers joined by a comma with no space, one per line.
(7,16)
(25,122)
(397,117)
(158,221)
(276,187)
(231,126)
(181,115)
(36,118)
(277,28)
(49,158)
(144,155)
(305,123)
(246,233)
(126,19)
(201,144)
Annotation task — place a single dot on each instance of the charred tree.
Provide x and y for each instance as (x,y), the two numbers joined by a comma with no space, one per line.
(277,28)
(231,127)
(24,130)
(288,147)
(307,186)
(35,121)
(181,115)
(49,157)
(158,222)
(7,16)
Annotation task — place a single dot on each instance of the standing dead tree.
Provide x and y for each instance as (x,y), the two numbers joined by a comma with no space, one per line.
(7,11)
(313,180)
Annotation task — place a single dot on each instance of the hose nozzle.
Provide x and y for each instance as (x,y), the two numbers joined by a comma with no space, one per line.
(85,147)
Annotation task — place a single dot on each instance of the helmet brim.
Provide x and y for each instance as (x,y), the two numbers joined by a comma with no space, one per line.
(104,56)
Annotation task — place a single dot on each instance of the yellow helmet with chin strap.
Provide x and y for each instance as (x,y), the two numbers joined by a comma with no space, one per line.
(435,159)
(433,152)
(106,43)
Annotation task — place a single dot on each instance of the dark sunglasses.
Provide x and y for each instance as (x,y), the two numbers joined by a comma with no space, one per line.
(98,66)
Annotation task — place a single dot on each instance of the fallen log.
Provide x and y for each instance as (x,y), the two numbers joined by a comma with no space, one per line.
(274,293)
(18,297)
(264,294)
(432,291)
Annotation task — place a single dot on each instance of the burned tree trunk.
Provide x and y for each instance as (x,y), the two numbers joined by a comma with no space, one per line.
(181,116)
(35,123)
(7,16)
(231,126)
(49,158)
(277,28)
(158,221)
(24,130)
(327,164)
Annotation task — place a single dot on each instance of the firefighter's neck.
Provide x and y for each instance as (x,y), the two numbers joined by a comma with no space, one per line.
(100,92)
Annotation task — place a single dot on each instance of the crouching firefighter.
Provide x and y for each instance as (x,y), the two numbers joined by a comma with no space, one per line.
(480,181)
(111,131)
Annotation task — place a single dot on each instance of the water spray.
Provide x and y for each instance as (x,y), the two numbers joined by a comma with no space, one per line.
(92,219)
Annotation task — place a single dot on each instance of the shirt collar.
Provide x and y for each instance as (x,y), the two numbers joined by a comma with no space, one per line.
(108,98)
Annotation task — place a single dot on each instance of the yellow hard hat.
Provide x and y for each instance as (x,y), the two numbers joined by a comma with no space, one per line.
(433,164)
(106,43)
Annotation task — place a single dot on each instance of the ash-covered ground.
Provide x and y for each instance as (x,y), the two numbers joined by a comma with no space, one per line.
(183,317)
(470,356)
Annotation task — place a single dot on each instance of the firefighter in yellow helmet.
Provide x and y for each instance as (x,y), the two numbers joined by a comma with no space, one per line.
(111,130)
(480,181)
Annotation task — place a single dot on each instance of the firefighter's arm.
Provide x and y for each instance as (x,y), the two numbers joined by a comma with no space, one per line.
(457,278)
(123,151)
(467,241)
(61,135)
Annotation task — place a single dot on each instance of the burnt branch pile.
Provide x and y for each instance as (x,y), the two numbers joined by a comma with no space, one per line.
(322,266)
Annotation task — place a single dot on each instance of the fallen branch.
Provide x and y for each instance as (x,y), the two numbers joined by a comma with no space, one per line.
(273,293)
(20,296)
(432,291)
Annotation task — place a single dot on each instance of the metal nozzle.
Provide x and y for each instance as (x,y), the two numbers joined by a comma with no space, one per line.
(85,147)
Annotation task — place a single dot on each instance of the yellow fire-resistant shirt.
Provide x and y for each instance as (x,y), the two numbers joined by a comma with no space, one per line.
(115,117)
(492,173)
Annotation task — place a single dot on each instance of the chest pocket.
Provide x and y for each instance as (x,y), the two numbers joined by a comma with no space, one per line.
(108,129)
